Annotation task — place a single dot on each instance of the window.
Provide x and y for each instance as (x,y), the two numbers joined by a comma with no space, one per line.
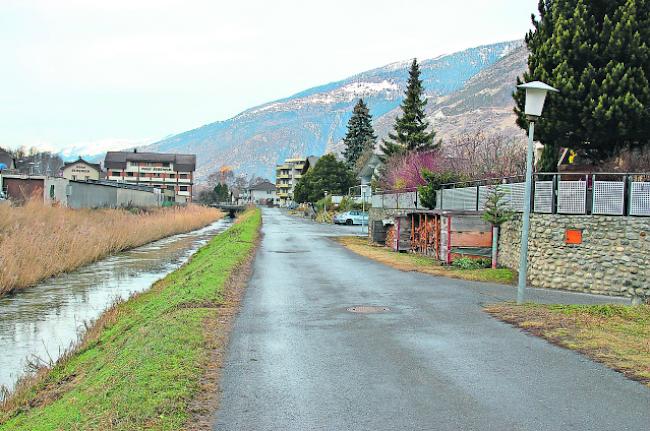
(115,173)
(165,164)
(183,188)
(183,176)
(172,175)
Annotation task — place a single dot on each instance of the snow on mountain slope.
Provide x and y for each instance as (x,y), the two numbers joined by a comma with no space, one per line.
(314,120)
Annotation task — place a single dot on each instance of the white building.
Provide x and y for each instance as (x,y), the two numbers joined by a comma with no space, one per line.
(263,193)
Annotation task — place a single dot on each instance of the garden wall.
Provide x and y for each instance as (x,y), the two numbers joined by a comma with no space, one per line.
(613,258)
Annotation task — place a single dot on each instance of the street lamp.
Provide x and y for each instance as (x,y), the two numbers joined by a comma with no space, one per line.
(536,92)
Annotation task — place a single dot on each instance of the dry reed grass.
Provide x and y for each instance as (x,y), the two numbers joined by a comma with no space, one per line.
(39,241)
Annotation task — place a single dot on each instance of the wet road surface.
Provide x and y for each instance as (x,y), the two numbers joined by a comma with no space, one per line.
(298,360)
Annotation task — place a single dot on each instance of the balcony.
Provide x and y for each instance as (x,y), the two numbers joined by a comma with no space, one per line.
(283,186)
(283,177)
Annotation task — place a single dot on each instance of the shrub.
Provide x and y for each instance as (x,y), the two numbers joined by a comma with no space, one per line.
(469,263)
(434,180)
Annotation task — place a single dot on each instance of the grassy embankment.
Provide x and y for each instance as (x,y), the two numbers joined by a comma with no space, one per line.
(39,241)
(419,263)
(615,335)
(149,362)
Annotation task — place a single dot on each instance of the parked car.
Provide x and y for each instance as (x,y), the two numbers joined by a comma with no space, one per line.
(351,217)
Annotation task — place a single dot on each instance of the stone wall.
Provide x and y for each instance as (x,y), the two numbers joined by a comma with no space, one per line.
(613,259)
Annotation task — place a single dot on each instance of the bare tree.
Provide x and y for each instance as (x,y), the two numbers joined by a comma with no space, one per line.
(479,155)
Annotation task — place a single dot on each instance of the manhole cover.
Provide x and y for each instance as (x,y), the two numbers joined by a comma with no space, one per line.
(365,309)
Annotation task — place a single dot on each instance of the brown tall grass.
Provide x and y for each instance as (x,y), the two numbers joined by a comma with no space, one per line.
(39,241)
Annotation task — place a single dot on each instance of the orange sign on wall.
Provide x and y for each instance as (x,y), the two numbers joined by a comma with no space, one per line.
(573,236)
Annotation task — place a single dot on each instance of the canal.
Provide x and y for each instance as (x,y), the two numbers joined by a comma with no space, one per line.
(38,324)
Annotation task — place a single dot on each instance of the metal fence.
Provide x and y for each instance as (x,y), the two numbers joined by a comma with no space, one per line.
(558,193)
(402,199)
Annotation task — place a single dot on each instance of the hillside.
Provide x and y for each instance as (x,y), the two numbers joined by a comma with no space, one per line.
(468,87)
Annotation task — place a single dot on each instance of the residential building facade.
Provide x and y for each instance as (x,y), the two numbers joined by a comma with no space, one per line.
(81,170)
(263,193)
(163,171)
(288,174)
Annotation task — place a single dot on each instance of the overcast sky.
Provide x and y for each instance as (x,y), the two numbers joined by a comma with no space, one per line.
(106,74)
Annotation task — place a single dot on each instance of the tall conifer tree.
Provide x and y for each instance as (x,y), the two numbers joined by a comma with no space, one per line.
(410,129)
(597,53)
(360,136)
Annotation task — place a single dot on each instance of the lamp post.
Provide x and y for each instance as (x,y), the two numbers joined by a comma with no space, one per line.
(536,92)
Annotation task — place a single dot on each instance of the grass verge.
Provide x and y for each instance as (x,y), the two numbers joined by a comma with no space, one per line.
(615,335)
(419,263)
(38,241)
(145,362)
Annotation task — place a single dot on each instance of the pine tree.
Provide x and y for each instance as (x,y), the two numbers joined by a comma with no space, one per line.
(360,136)
(410,129)
(597,53)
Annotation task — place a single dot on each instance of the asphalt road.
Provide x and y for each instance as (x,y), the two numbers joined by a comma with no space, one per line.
(298,360)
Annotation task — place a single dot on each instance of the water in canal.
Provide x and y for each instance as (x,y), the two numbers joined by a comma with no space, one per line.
(42,321)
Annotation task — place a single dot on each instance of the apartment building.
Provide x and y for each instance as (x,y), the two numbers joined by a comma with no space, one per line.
(163,171)
(288,174)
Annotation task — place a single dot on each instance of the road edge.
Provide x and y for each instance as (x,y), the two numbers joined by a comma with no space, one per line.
(217,330)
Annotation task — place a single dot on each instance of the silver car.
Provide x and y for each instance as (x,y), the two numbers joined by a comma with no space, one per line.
(351,217)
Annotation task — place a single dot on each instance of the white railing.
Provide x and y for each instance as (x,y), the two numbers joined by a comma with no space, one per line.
(561,193)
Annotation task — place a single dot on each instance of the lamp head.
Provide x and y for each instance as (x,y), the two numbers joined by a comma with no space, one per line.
(536,92)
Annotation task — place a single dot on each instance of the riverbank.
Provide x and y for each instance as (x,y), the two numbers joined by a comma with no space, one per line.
(615,335)
(424,264)
(145,362)
(39,241)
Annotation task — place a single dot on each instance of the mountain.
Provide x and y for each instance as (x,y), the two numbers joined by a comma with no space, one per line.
(463,88)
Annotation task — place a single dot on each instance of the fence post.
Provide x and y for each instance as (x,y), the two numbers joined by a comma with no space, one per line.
(554,186)
(626,196)
(593,192)
(478,191)
(587,194)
